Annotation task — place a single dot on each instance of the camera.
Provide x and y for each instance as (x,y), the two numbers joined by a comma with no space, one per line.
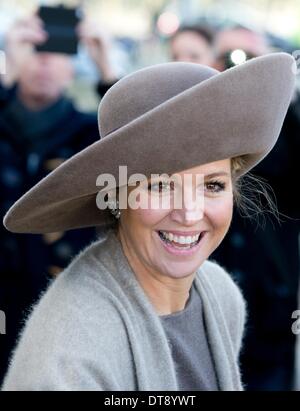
(60,24)
(235,57)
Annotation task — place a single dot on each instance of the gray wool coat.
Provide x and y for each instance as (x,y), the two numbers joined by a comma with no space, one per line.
(95,329)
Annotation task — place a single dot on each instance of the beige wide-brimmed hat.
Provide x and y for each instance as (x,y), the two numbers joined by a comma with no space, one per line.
(164,119)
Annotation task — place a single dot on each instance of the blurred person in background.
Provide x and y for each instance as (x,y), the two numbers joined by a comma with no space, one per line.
(270,287)
(98,43)
(193,44)
(39,129)
(237,38)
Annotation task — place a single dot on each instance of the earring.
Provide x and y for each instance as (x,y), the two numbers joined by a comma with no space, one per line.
(113,205)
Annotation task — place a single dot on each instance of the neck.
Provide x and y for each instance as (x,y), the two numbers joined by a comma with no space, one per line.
(35,103)
(167,295)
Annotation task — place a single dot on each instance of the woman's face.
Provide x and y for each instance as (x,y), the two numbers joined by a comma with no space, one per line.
(192,48)
(174,241)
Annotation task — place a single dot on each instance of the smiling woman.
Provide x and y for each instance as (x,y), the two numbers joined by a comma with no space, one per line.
(165,246)
(143,308)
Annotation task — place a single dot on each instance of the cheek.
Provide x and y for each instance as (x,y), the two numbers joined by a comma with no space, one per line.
(139,226)
(28,76)
(219,212)
(149,218)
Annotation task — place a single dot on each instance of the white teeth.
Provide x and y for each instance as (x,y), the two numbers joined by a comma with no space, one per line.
(180,239)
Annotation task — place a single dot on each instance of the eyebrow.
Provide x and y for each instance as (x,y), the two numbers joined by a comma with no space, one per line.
(211,175)
(216,174)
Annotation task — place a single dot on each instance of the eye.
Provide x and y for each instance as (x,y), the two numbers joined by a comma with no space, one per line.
(215,186)
(161,186)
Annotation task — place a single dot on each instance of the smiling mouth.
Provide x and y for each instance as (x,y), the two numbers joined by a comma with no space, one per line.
(180,242)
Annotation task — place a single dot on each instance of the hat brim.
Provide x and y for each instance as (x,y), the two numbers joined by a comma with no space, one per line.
(241,110)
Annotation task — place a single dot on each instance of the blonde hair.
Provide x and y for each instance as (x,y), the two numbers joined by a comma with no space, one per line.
(253,196)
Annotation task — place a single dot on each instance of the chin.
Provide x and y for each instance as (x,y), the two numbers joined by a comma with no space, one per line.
(181,269)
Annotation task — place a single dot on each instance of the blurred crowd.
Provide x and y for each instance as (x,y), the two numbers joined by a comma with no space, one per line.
(40,128)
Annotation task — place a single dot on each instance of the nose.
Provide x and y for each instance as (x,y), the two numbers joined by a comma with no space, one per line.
(44,57)
(191,209)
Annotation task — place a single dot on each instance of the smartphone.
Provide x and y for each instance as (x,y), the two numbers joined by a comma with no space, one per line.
(60,23)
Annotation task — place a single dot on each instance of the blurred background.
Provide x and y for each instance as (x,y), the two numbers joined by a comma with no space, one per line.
(48,103)
(141,28)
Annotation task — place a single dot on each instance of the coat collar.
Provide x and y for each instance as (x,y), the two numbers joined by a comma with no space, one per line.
(224,359)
